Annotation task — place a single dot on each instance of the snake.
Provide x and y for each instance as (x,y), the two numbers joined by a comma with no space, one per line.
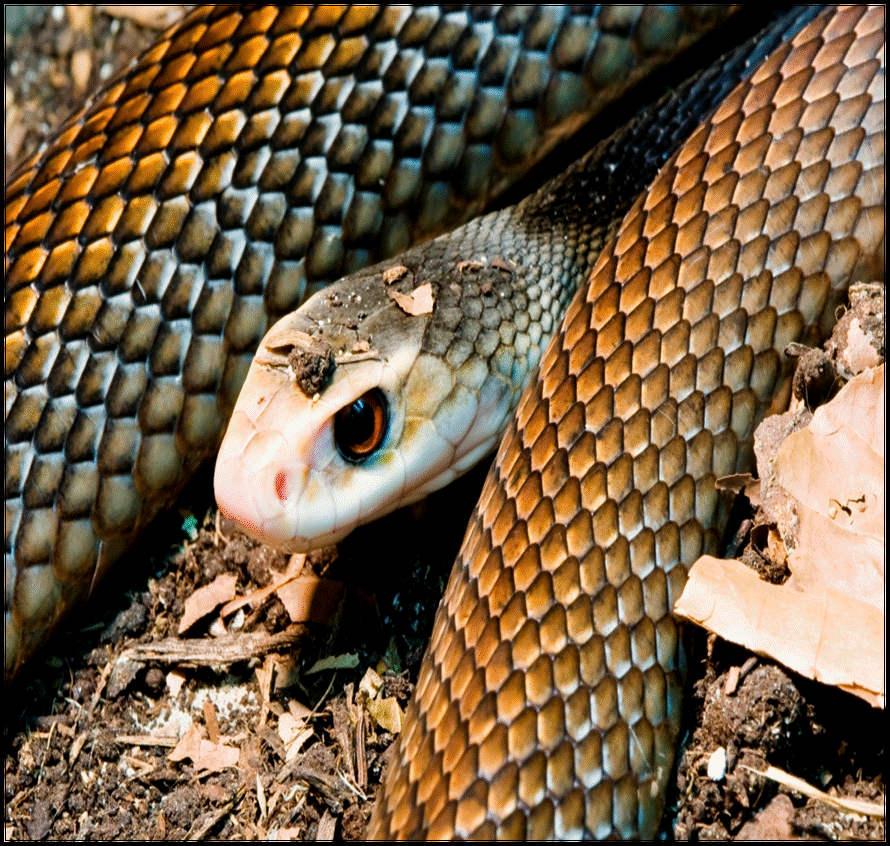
(249,157)
(548,703)
(493,747)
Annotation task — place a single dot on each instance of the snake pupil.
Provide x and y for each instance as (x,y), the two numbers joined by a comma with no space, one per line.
(360,427)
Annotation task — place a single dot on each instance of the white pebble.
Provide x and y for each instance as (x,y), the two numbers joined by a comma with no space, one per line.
(717,764)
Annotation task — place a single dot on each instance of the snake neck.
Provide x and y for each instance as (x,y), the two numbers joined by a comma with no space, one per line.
(502,282)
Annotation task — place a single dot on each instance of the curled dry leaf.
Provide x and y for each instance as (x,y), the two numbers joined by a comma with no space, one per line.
(826,622)
(207,599)
(310,599)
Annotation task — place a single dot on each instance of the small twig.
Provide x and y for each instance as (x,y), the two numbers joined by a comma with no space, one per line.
(856,806)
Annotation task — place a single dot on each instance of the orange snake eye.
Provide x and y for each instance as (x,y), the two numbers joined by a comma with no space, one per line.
(360,427)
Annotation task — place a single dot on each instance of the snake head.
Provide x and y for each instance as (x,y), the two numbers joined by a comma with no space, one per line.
(346,414)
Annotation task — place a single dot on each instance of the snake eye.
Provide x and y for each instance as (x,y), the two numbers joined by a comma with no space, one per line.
(360,427)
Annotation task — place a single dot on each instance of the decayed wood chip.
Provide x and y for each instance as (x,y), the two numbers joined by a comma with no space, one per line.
(327,827)
(212,651)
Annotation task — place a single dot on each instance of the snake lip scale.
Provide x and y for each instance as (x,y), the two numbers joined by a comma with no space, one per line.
(554,647)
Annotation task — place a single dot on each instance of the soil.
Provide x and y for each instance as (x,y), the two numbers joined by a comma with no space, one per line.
(93,734)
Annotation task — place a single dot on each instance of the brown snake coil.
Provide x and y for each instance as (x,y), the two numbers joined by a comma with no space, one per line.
(549,700)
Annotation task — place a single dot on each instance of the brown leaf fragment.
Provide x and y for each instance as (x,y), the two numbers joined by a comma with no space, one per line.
(822,634)
(310,599)
(500,263)
(204,754)
(419,301)
(736,482)
(741,483)
(210,721)
(207,599)
(857,341)
(834,471)
(469,266)
(394,273)
(386,713)
(294,733)
(257,597)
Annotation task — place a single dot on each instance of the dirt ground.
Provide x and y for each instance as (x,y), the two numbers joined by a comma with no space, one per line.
(123,730)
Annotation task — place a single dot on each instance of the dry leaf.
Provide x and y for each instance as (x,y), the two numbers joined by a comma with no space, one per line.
(256,598)
(394,273)
(826,488)
(294,733)
(202,753)
(371,683)
(419,301)
(822,634)
(501,263)
(386,714)
(207,599)
(175,680)
(310,599)
(834,470)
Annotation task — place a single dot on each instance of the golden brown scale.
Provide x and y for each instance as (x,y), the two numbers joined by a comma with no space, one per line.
(548,703)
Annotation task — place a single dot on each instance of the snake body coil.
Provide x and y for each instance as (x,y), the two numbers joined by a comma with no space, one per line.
(548,704)
(250,156)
